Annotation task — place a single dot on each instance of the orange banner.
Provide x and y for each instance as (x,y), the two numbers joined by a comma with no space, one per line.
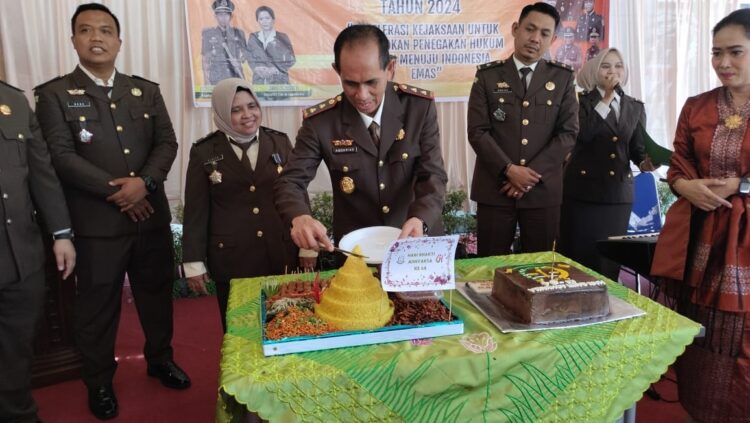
(286,47)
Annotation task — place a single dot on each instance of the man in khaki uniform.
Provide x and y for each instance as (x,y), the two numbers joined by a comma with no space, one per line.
(380,142)
(522,122)
(28,185)
(112,144)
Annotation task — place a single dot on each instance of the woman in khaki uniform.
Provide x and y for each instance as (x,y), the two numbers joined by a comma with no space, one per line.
(231,226)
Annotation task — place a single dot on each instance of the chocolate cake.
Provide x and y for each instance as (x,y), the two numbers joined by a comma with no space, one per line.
(549,293)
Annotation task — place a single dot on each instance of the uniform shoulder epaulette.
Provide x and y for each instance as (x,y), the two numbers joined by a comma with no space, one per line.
(638,100)
(561,65)
(489,65)
(320,107)
(207,136)
(48,82)
(409,89)
(140,78)
(10,86)
(273,131)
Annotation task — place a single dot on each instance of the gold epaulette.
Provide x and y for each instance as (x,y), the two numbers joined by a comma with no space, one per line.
(489,65)
(561,65)
(320,107)
(409,89)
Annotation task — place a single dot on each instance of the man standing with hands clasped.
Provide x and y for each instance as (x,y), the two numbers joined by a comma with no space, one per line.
(112,143)
(522,122)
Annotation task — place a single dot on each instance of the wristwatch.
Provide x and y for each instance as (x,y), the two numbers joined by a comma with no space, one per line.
(150,184)
(744,189)
(425,228)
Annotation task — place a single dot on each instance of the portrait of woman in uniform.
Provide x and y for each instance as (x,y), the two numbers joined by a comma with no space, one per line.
(231,227)
(269,52)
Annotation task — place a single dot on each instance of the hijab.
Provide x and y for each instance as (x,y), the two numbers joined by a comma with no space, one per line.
(221,103)
(589,74)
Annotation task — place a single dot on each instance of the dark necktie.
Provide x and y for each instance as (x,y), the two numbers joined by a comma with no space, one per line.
(612,115)
(525,71)
(245,160)
(374,130)
(107,90)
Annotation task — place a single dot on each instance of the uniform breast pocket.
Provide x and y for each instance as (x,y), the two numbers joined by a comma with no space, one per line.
(546,108)
(143,119)
(84,123)
(14,147)
(402,159)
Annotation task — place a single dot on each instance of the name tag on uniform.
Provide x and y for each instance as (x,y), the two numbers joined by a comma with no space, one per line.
(343,146)
(79,104)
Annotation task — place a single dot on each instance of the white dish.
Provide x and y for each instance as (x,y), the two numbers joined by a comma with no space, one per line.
(373,240)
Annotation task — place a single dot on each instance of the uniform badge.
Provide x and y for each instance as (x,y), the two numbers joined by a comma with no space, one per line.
(343,146)
(499,115)
(77,91)
(401,134)
(276,157)
(136,92)
(78,104)
(5,109)
(502,87)
(215,177)
(549,86)
(347,185)
(85,136)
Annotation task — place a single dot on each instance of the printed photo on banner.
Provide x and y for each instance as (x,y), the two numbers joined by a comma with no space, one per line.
(286,47)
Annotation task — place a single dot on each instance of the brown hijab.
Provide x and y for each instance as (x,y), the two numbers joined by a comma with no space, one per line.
(221,103)
(588,76)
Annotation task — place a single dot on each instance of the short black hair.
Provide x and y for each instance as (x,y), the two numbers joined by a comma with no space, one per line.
(541,7)
(739,17)
(359,33)
(92,6)
(264,9)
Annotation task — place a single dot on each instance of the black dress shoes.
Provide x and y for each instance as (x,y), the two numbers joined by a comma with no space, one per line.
(169,374)
(102,402)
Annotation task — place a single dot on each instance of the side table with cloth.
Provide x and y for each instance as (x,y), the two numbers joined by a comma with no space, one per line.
(589,374)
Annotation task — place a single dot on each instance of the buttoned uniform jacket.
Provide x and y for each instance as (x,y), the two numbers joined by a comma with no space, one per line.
(404,178)
(536,130)
(216,47)
(132,135)
(599,168)
(233,225)
(27,184)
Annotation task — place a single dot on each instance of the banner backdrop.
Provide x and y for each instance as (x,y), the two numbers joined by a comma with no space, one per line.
(285,47)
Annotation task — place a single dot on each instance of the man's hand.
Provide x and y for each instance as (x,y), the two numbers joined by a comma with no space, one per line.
(132,190)
(700,192)
(522,178)
(307,264)
(65,256)
(511,191)
(197,284)
(412,228)
(139,211)
(310,234)
(647,165)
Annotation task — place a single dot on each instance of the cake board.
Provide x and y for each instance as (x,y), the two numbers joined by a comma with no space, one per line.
(501,318)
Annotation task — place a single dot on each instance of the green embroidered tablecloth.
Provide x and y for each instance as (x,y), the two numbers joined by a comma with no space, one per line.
(587,374)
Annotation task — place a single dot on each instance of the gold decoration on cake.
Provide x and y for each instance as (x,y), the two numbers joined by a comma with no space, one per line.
(733,121)
(355,300)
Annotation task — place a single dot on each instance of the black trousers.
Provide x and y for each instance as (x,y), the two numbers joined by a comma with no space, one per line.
(148,259)
(20,306)
(583,223)
(496,229)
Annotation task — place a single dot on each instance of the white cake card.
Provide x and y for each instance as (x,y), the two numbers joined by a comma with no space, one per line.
(419,264)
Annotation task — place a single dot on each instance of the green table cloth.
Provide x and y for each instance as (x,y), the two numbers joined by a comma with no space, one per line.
(587,374)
